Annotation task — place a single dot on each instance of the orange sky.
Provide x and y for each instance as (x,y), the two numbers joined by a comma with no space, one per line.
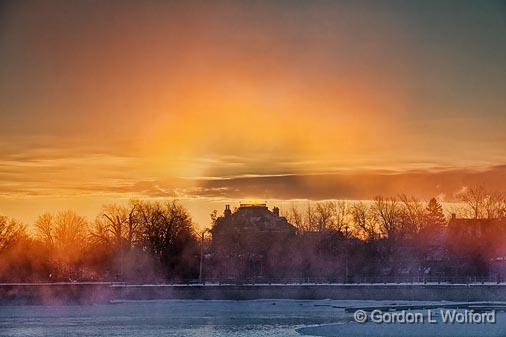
(103,102)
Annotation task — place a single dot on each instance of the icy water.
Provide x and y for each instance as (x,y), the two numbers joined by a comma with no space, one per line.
(197,318)
(168,318)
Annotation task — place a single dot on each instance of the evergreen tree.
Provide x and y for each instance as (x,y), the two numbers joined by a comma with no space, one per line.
(434,213)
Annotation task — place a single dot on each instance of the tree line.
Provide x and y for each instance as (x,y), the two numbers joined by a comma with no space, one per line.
(394,217)
(158,241)
(141,241)
(401,238)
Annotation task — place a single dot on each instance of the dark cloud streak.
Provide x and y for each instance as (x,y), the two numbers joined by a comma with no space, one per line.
(422,184)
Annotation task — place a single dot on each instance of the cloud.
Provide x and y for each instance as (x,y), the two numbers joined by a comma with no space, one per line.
(27,169)
(72,169)
(422,184)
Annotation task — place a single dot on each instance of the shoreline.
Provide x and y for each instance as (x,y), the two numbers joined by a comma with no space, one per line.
(105,292)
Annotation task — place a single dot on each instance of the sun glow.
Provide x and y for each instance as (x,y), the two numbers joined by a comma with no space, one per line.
(167,97)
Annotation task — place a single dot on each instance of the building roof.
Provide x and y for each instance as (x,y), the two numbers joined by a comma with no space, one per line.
(253,204)
(255,217)
(476,227)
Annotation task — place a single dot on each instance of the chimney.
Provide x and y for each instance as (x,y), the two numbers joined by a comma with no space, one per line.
(275,210)
(227,211)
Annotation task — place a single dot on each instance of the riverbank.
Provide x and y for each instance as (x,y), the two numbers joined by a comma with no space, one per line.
(103,292)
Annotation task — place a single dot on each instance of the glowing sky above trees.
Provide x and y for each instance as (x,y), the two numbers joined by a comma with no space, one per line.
(115,100)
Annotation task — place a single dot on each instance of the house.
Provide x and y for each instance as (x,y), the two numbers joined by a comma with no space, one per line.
(251,242)
(484,235)
(479,245)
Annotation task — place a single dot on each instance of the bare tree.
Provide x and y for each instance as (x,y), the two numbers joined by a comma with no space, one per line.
(10,232)
(341,216)
(331,215)
(495,205)
(411,215)
(475,198)
(116,224)
(296,218)
(365,221)
(44,226)
(323,214)
(311,222)
(65,235)
(166,230)
(387,210)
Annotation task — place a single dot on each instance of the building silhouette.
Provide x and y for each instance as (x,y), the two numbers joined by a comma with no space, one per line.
(251,242)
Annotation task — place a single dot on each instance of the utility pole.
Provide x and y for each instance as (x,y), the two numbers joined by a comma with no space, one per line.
(121,261)
(346,244)
(202,254)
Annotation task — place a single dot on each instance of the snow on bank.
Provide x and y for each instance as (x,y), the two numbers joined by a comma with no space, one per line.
(370,329)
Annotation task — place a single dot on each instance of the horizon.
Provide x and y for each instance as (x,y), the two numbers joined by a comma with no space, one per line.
(201,216)
(447,191)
